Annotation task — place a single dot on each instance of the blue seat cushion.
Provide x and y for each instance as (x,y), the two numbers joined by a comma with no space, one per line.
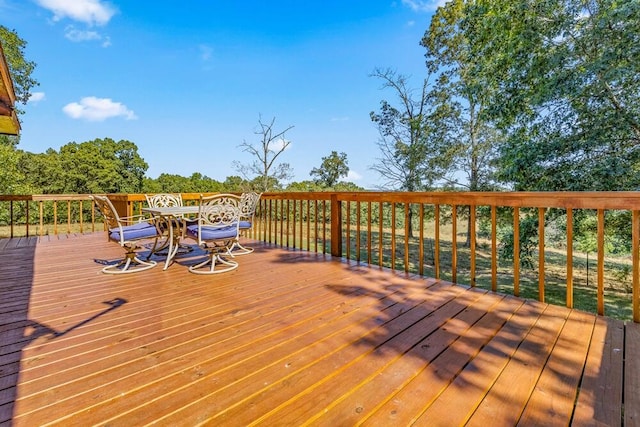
(245,224)
(139,230)
(213,233)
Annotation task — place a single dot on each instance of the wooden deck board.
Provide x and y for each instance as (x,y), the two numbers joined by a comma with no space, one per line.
(599,401)
(292,338)
(632,375)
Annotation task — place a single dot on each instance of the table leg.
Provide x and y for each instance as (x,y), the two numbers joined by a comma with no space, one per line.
(174,241)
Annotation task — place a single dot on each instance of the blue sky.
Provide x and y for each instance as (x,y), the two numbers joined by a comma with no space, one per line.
(188,81)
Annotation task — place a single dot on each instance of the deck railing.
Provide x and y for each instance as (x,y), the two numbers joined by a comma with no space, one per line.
(475,239)
(518,243)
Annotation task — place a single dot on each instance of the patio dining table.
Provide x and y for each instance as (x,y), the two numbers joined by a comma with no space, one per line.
(172,220)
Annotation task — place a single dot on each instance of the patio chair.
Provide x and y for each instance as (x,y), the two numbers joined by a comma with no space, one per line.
(248,206)
(126,231)
(216,231)
(162,200)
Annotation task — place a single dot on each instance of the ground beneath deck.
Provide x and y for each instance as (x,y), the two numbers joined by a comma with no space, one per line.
(292,338)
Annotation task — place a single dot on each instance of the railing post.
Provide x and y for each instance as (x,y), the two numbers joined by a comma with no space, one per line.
(11,217)
(635,252)
(27,216)
(336,226)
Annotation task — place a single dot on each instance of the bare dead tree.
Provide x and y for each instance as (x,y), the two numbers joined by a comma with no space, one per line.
(263,171)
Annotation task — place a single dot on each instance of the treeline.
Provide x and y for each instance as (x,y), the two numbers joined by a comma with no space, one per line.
(108,166)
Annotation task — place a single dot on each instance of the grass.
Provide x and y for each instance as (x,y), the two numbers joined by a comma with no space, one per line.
(49,229)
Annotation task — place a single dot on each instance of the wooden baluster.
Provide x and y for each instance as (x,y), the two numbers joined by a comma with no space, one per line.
(93,217)
(270,229)
(541,255)
(393,235)
(358,219)
(11,218)
(369,249)
(302,225)
(26,220)
(41,210)
(407,227)
(380,230)
(68,216)
(570,258)
(472,244)
(81,224)
(421,241)
(494,249)
(293,224)
(308,203)
(635,253)
(324,226)
(436,246)
(601,262)
(287,222)
(281,223)
(348,231)
(516,251)
(55,217)
(315,226)
(454,243)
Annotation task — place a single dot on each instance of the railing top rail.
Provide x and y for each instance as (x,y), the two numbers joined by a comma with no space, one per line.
(626,200)
(42,197)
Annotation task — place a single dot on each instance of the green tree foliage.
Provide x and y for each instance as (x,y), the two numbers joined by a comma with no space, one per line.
(236,183)
(460,99)
(44,172)
(12,178)
(20,69)
(332,168)
(314,186)
(169,183)
(98,166)
(304,186)
(562,79)
(411,158)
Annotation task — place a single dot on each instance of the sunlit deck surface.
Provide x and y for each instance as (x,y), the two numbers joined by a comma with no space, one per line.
(292,338)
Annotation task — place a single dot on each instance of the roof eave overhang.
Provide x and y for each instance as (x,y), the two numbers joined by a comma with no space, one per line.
(9,124)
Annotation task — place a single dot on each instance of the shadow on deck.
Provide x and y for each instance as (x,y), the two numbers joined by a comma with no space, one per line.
(291,338)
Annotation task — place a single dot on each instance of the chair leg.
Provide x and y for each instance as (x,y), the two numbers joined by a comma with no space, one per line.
(130,264)
(215,263)
(238,249)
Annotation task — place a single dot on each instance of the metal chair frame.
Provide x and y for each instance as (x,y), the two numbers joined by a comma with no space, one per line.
(248,205)
(216,231)
(127,232)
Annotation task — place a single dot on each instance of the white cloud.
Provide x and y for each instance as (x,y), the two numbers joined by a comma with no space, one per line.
(424,5)
(91,12)
(353,176)
(36,97)
(76,35)
(97,109)
(205,52)
(278,144)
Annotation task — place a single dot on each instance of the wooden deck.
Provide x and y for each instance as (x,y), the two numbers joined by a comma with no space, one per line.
(293,338)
